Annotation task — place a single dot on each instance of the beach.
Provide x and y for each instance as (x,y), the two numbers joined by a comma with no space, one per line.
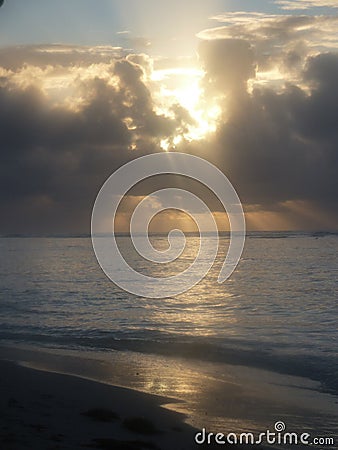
(45,410)
(60,400)
(229,358)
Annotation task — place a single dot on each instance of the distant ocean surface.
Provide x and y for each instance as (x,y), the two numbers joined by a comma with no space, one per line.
(278,311)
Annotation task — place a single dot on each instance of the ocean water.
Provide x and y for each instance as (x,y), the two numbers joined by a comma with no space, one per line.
(277,312)
(280,304)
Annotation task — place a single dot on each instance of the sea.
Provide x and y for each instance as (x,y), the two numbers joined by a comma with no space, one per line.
(271,327)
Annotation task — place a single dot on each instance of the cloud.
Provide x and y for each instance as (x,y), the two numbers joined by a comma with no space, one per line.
(306,4)
(42,56)
(279,147)
(229,63)
(281,43)
(66,124)
(278,139)
(55,154)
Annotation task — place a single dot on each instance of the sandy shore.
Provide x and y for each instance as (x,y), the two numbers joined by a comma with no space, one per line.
(71,400)
(43,410)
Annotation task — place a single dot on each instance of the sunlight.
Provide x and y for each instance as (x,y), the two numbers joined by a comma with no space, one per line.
(188,96)
(182,86)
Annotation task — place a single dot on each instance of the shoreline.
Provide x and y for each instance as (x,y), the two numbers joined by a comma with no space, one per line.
(45,410)
(220,398)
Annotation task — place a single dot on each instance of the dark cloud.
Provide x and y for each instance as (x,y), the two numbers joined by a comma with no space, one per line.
(54,158)
(278,147)
(278,142)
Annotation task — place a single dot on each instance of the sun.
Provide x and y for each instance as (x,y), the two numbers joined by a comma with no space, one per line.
(182,86)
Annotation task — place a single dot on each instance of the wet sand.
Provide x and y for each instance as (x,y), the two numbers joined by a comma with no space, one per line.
(57,399)
(41,410)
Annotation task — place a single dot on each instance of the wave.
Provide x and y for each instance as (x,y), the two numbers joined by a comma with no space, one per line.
(320,368)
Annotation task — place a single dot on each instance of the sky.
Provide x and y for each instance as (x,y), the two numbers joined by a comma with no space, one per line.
(248,85)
